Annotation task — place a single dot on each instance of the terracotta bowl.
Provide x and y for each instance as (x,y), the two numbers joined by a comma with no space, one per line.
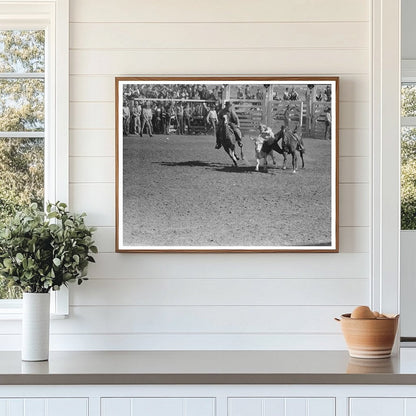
(369,338)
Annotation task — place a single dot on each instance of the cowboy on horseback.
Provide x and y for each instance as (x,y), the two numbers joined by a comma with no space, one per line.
(227,113)
(286,118)
(294,135)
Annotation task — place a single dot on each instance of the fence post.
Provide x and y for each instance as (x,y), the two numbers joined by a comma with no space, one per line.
(227,92)
(267,106)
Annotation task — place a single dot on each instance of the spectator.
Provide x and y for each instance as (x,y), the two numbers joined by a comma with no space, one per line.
(157,118)
(137,112)
(126,119)
(179,118)
(131,123)
(187,118)
(212,119)
(293,95)
(328,120)
(259,94)
(319,96)
(286,95)
(173,118)
(327,93)
(165,119)
(247,92)
(147,120)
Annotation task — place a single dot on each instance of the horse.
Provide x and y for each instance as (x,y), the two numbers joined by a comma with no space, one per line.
(291,142)
(228,140)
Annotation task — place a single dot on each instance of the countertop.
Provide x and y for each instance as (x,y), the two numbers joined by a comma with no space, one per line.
(207,367)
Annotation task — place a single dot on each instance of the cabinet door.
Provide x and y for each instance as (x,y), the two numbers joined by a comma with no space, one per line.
(268,406)
(160,406)
(382,406)
(44,407)
(377,407)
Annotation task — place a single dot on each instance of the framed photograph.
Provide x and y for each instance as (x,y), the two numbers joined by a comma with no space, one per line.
(214,164)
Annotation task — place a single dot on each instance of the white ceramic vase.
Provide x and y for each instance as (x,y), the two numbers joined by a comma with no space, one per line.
(35,326)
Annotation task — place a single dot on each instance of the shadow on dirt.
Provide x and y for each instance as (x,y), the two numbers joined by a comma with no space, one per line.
(191,163)
(218,167)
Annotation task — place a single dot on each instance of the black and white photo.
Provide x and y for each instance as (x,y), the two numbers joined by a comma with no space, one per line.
(233,165)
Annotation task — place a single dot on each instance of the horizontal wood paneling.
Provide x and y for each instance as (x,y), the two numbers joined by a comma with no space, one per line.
(101,115)
(220,291)
(352,239)
(96,199)
(218,35)
(202,319)
(232,61)
(354,170)
(354,208)
(94,143)
(182,320)
(88,169)
(354,142)
(231,11)
(266,265)
(104,238)
(166,341)
(227,301)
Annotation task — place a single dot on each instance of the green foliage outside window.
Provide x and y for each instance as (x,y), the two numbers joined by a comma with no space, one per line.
(408,179)
(21,110)
(408,160)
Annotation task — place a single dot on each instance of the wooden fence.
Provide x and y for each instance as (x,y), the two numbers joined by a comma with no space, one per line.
(307,116)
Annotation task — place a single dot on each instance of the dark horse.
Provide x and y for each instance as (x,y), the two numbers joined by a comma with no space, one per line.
(228,140)
(291,142)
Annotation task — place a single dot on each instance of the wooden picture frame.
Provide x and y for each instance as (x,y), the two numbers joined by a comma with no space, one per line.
(175,192)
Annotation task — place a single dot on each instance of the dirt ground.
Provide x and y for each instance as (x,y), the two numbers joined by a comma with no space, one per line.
(180,191)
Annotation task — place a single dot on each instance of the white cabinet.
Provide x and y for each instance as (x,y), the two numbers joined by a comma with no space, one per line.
(281,406)
(382,406)
(44,407)
(146,406)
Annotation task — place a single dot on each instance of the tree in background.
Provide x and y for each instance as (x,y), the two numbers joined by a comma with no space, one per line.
(21,109)
(408,179)
(408,160)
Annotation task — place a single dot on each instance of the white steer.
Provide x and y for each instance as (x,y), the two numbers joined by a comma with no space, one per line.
(262,149)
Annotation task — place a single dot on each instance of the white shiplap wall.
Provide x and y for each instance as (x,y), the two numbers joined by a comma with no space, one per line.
(181,301)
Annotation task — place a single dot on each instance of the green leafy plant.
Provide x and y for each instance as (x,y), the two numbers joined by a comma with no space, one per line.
(43,251)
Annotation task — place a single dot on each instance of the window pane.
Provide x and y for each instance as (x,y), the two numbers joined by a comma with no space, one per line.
(21,182)
(408,100)
(21,173)
(408,178)
(22,51)
(22,105)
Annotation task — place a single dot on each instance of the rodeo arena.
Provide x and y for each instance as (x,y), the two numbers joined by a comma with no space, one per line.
(227,165)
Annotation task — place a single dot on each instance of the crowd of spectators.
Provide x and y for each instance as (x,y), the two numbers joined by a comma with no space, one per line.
(208,92)
(161,117)
(185,108)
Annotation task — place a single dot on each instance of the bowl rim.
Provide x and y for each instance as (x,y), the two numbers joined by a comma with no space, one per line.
(387,318)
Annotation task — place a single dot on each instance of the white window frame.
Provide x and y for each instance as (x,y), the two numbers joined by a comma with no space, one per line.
(408,237)
(385,210)
(53,17)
